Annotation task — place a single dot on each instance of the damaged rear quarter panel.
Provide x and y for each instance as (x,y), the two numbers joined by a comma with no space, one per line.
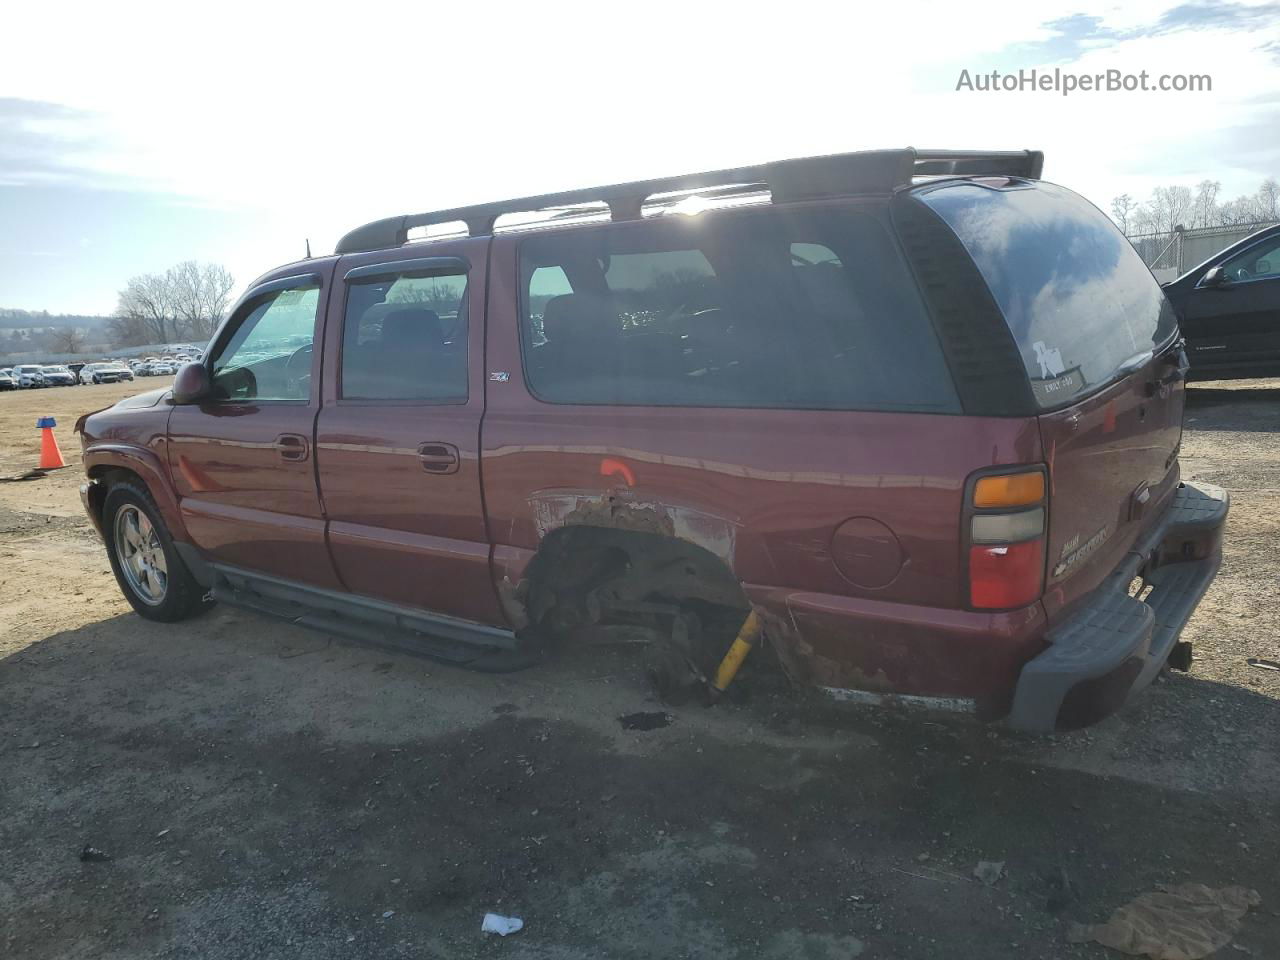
(763,489)
(620,510)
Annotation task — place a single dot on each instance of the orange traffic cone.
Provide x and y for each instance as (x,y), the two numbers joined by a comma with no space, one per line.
(50,455)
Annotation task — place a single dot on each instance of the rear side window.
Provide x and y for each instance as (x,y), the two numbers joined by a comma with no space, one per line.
(1076,296)
(754,309)
(405,338)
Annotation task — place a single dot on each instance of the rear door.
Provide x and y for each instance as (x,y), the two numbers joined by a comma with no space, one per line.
(1098,340)
(398,438)
(1236,324)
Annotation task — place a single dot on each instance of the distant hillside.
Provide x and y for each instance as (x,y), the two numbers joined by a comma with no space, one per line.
(11,319)
(38,336)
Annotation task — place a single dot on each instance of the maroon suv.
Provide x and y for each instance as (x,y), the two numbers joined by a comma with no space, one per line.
(920,411)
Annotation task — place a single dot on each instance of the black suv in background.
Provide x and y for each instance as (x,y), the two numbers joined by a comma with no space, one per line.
(1229,307)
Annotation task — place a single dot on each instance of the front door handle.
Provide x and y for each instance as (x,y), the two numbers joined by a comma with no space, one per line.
(438,457)
(292,447)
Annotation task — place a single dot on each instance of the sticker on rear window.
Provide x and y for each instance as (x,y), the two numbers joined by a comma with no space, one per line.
(1050,359)
(1055,381)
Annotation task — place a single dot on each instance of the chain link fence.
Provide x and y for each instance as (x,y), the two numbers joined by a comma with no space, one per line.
(1170,255)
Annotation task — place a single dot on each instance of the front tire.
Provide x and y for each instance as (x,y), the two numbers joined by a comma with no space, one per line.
(146,563)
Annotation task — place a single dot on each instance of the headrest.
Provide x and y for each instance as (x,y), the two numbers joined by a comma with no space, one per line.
(410,327)
(577,316)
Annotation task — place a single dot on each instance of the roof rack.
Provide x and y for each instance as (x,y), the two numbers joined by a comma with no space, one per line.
(806,178)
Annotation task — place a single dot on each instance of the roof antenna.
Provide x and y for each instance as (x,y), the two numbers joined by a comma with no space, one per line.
(308,248)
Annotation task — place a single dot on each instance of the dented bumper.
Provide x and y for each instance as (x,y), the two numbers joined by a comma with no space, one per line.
(1115,643)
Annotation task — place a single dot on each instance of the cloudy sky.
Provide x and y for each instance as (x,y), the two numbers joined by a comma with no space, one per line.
(136,135)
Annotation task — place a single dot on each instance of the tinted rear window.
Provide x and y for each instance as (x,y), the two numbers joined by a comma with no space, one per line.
(1076,295)
(764,308)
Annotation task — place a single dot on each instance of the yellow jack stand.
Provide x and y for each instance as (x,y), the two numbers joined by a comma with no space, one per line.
(748,634)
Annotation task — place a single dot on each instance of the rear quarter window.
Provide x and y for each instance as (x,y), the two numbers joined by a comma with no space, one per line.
(765,308)
(1078,299)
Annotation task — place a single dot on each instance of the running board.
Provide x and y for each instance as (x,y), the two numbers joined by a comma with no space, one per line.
(374,622)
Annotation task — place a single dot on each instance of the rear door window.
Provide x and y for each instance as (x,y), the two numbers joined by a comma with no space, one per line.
(1076,296)
(405,338)
(750,309)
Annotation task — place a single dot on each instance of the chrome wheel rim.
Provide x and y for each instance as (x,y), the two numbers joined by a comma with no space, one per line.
(141,555)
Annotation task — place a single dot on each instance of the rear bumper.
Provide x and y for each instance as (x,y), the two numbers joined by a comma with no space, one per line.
(1115,644)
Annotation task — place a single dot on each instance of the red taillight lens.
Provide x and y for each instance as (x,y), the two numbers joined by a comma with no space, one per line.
(1006,576)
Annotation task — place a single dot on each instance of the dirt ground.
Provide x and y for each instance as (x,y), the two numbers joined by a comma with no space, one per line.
(264,791)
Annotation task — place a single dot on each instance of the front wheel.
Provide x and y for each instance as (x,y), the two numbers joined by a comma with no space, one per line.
(147,566)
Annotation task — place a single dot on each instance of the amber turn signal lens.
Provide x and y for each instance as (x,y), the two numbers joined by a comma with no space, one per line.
(1009,490)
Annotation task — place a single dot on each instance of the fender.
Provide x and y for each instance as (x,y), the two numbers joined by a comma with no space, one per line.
(101,456)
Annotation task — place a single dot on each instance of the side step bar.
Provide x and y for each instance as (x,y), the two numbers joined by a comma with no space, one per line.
(475,646)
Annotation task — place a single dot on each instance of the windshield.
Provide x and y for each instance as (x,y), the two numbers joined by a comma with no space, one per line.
(1077,297)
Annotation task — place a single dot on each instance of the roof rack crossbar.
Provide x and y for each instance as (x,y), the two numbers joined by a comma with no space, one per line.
(873,171)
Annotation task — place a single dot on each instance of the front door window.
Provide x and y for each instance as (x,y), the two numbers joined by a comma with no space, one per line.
(268,356)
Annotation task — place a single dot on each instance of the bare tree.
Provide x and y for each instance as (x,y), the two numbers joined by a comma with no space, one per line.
(1145,219)
(186,301)
(1206,203)
(200,296)
(1122,210)
(147,302)
(125,330)
(1169,207)
(68,340)
(1269,200)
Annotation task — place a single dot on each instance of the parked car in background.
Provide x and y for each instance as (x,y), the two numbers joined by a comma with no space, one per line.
(1229,310)
(57,375)
(110,372)
(7,380)
(853,401)
(29,375)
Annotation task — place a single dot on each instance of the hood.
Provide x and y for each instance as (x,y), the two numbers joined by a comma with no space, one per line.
(149,399)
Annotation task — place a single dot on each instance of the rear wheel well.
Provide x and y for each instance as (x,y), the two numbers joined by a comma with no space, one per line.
(589,581)
(620,566)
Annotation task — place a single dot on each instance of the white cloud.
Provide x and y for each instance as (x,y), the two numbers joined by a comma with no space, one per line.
(316,117)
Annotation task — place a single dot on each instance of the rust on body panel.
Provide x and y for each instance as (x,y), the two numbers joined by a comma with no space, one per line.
(553,509)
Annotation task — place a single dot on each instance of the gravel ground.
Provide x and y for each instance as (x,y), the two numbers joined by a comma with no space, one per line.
(264,791)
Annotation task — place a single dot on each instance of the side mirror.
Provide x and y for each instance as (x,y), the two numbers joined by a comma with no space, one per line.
(192,384)
(1214,277)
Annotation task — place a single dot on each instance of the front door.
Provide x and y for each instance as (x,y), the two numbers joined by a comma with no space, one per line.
(243,460)
(397,441)
(1237,323)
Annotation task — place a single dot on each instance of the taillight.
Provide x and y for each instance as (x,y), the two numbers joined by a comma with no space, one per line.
(1005,524)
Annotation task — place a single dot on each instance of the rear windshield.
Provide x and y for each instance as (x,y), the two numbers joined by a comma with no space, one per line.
(1077,297)
(761,308)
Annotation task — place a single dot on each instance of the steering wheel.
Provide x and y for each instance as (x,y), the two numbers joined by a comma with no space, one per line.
(297,370)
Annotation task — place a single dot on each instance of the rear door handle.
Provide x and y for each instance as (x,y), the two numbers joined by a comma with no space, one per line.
(292,447)
(438,457)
